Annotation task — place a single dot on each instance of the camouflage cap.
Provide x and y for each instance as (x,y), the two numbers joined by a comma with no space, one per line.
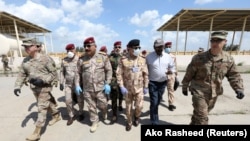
(158,42)
(30,41)
(222,34)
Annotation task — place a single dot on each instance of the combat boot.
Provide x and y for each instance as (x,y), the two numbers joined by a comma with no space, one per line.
(94,127)
(36,134)
(55,118)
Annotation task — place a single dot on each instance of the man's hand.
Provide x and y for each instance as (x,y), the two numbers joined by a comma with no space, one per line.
(107,89)
(124,91)
(240,94)
(37,82)
(78,90)
(17,91)
(61,87)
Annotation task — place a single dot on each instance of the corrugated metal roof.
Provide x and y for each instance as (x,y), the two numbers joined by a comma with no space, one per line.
(201,20)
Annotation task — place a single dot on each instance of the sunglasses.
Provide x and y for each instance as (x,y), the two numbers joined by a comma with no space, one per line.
(28,46)
(118,47)
(135,48)
(216,40)
(87,46)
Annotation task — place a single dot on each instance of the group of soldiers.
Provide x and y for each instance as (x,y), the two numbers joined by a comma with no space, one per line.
(96,77)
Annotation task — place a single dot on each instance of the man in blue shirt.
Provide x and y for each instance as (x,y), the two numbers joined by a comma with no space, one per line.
(160,64)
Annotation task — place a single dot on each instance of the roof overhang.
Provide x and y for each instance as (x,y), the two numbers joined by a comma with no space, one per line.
(202,19)
(7,25)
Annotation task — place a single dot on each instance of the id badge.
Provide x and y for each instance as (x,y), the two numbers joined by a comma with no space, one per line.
(135,69)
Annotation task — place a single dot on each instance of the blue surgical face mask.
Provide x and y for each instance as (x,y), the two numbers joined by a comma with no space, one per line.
(136,52)
(167,50)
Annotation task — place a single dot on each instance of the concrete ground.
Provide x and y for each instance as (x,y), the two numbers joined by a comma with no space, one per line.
(18,115)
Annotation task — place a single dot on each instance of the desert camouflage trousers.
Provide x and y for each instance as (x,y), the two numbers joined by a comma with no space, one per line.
(44,104)
(96,100)
(202,105)
(69,93)
(136,100)
(170,88)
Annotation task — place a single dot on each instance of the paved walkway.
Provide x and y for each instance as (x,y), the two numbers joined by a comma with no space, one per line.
(18,115)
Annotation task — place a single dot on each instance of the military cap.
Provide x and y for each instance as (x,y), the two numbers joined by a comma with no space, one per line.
(133,42)
(117,43)
(30,41)
(158,42)
(168,43)
(89,40)
(221,34)
(70,47)
(104,49)
(144,52)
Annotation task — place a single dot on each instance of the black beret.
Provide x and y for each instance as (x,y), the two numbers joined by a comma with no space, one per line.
(134,42)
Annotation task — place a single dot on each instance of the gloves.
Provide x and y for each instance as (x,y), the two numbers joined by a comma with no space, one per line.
(16,91)
(185,93)
(124,91)
(107,89)
(61,87)
(145,91)
(37,82)
(176,83)
(78,90)
(240,94)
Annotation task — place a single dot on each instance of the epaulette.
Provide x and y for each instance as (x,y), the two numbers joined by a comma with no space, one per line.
(103,53)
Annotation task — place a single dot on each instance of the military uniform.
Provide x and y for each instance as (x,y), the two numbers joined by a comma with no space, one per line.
(132,73)
(115,90)
(67,74)
(205,74)
(95,72)
(5,61)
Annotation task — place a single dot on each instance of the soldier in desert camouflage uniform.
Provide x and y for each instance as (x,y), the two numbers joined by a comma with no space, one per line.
(115,94)
(172,80)
(5,61)
(96,72)
(41,72)
(132,77)
(206,72)
(67,74)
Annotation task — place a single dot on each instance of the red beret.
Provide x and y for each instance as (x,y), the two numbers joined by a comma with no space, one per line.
(70,47)
(89,40)
(144,52)
(168,43)
(104,49)
(117,43)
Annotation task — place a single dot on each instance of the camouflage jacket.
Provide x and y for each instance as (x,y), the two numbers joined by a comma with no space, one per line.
(132,72)
(114,60)
(67,71)
(95,71)
(205,73)
(41,66)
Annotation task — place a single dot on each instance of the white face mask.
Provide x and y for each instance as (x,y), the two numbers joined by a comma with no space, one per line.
(70,54)
(167,50)
(136,52)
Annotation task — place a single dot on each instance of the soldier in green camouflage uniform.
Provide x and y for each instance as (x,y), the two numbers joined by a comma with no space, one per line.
(115,94)
(205,74)
(96,72)
(41,71)
(132,77)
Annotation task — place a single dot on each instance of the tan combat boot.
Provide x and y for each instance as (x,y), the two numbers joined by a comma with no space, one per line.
(94,127)
(55,118)
(36,134)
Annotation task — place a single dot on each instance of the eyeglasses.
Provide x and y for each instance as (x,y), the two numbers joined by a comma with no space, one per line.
(216,40)
(135,48)
(87,46)
(118,47)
